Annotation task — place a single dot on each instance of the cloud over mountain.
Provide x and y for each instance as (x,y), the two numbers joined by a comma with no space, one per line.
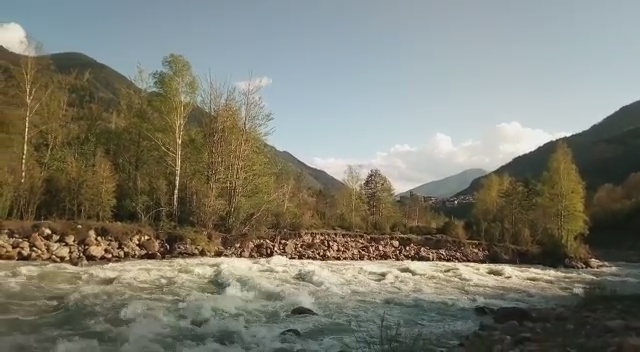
(14,38)
(408,166)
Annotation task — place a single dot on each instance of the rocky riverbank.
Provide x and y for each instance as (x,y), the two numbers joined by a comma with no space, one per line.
(599,324)
(79,243)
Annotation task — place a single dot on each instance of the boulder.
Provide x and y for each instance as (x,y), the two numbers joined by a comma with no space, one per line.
(37,242)
(61,252)
(302,311)
(289,248)
(150,245)
(291,332)
(94,252)
(482,310)
(68,239)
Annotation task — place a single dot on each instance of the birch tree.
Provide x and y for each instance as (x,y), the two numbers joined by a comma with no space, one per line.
(220,104)
(248,167)
(177,88)
(239,168)
(488,201)
(354,196)
(561,202)
(33,90)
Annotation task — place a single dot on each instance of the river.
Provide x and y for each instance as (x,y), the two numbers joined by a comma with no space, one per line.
(226,304)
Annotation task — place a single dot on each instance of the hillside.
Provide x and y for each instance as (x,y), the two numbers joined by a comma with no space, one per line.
(317,179)
(105,83)
(447,186)
(607,152)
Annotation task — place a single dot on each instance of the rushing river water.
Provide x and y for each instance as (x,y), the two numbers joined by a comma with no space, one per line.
(242,305)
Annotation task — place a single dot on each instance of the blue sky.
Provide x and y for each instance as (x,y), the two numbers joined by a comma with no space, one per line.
(418,88)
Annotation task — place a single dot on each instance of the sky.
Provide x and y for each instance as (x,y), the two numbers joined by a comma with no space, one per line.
(419,89)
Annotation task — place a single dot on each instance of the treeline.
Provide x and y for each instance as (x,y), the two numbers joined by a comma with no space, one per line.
(615,212)
(173,149)
(549,213)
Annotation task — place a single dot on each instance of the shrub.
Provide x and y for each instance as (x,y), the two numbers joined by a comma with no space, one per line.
(454,229)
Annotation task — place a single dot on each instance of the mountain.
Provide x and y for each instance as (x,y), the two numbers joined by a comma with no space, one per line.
(316,178)
(607,152)
(106,83)
(447,186)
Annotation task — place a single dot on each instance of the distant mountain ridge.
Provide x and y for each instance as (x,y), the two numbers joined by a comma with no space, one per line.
(448,186)
(106,83)
(607,152)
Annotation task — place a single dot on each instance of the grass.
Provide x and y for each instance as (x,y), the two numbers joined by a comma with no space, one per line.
(392,338)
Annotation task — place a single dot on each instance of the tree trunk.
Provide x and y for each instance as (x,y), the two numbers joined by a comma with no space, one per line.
(176,179)
(24,148)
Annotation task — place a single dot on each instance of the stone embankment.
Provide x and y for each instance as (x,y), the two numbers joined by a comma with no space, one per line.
(79,244)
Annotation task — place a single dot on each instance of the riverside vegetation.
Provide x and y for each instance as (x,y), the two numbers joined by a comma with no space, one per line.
(175,150)
(177,165)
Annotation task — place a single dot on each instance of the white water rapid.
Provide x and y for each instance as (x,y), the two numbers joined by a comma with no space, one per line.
(198,305)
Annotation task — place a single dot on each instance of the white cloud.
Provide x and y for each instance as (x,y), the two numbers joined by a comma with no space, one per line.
(257,82)
(14,38)
(408,166)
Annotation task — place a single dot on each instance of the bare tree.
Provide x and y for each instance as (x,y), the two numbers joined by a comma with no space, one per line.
(253,126)
(238,173)
(353,180)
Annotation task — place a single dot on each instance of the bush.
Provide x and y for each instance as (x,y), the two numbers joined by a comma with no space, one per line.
(454,229)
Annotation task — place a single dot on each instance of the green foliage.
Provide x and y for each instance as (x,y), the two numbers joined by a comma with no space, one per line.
(561,200)
(607,152)
(550,213)
(378,195)
(176,89)
(171,149)
(615,213)
(7,184)
(352,200)
(454,229)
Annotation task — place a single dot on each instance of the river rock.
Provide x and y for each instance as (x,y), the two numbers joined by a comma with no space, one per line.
(62,252)
(37,242)
(289,248)
(68,239)
(94,252)
(9,255)
(291,332)
(150,245)
(302,311)
(482,310)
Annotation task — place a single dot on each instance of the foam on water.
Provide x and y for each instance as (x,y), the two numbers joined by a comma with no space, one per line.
(194,305)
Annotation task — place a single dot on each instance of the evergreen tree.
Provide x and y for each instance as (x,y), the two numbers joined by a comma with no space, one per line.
(378,194)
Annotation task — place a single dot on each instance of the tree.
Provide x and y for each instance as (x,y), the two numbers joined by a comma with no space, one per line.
(561,200)
(488,201)
(354,196)
(239,168)
(378,194)
(101,190)
(142,191)
(514,212)
(177,89)
(413,208)
(33,89)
